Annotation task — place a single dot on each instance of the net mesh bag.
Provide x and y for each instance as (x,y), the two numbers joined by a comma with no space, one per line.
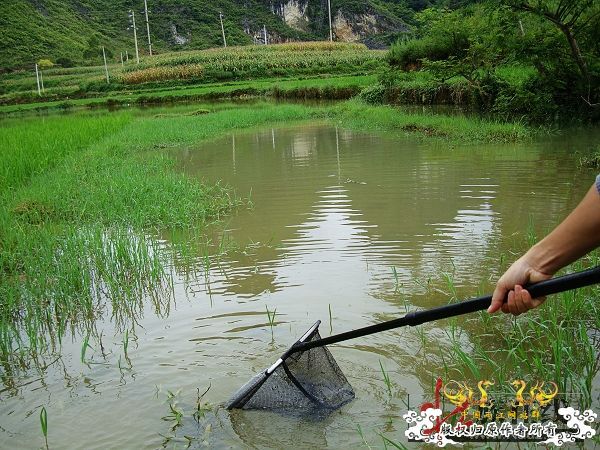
(304,380)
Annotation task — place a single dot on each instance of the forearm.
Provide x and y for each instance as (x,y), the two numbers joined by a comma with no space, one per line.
(577,235)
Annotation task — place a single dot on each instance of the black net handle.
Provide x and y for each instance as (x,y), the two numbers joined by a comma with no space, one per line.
(541,289)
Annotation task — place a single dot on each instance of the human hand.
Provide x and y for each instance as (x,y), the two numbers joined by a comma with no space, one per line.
(519,300)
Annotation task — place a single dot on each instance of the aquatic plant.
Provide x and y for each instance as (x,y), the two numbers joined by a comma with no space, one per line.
(386,378)
(271,318)
(201,407)
(44,424)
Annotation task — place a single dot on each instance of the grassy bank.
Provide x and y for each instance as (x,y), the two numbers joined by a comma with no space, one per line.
(342,87)
(76,223)
(357,114)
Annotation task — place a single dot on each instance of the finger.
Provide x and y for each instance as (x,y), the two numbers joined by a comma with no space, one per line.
(528,302)
(520,304)
(538,301)
(497,299)
(506,304)
(512,307)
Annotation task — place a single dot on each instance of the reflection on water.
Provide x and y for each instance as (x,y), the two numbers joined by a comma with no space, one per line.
(350,228)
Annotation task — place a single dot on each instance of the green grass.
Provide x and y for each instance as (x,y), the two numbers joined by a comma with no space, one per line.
(271,318)
(515,74)
(76,224)
(44,424)
(355,114)
(386,378)
(31,148)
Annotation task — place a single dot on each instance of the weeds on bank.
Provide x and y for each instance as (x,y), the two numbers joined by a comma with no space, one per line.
(357,114)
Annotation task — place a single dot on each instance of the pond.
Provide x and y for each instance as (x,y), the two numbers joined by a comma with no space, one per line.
(347,227)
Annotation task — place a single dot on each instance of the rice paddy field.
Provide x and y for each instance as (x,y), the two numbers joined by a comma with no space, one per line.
(153,260)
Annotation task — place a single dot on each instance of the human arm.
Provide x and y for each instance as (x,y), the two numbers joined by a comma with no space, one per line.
(577,235)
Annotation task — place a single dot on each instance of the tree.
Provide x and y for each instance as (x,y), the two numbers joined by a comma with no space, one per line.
(45,64)
(570,16)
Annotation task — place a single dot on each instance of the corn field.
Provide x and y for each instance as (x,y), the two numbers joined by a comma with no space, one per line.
(178,72)
(274,60)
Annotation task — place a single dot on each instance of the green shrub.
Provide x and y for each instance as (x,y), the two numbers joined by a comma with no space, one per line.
(373,95)
(592,160)
(531,100)
(45,64)
(407,55)
(65,62)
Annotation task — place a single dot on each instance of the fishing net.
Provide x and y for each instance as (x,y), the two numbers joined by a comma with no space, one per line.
(303,380)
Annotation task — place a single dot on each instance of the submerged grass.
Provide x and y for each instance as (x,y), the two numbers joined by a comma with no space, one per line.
(76,227)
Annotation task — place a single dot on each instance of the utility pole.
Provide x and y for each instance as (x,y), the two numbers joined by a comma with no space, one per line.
(42,81)
(137,53)
(265,33)
(37,79)
(148,26)
(222,29)
(126,56)
(105,66)
(330,30)
(122,59)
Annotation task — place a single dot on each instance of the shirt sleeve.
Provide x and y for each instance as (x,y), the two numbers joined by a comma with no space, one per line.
(598,184)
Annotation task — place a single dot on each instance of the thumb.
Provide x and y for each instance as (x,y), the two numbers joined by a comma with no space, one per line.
(497,299)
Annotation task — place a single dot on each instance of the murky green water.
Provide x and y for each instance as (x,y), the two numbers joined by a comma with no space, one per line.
(334,212)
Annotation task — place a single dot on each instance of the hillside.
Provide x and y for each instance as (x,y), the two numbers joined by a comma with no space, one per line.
(76,30)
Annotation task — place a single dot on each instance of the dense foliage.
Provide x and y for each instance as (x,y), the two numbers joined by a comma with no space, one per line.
(538,59)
